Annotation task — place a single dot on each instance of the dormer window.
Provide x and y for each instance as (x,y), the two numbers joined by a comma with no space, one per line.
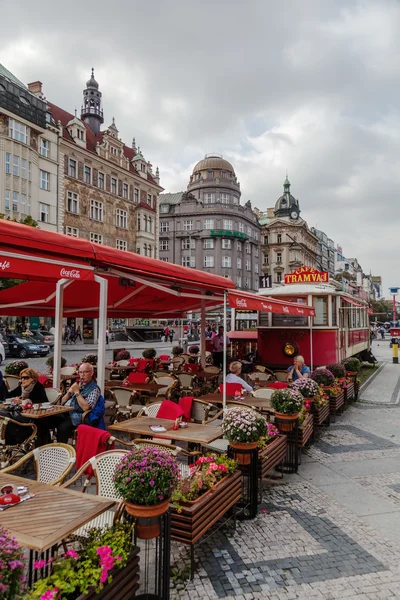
(143,167)
(113,151)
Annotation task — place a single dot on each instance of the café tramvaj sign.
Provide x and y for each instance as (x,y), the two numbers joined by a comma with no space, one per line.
(306,275)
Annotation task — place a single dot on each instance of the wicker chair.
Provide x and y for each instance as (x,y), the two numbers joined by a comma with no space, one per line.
(258,375)
(150,410)
(11,381)
(53,462)
(123,363)
(124,403)
(186,382)
(233,404)
(67,371)
(263,393)
(208,357)
(177,363)
(281,375)
(170,384)
(9,452)
(201,412)
(53,395)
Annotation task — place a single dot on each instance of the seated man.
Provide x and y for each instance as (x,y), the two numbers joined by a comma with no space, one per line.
(82,396)
(234,376)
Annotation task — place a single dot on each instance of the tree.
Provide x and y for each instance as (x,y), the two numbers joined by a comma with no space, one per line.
(7,283)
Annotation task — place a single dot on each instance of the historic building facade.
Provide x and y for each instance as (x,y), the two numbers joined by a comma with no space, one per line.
(325,252)
(29,147)
(207,227)
(109,191)
(286,240)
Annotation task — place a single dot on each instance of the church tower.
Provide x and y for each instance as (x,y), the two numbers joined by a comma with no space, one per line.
(91,111)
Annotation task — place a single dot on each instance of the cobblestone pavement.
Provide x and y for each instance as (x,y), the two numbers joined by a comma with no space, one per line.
(332,531)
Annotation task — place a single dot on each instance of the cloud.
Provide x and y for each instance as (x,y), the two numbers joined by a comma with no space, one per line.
(310,87)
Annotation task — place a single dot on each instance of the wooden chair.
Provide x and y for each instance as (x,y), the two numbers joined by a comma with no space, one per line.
(281,375)
(124,403)
(53,395)
(170,384)
(11,381)
(9,452)
(53,462)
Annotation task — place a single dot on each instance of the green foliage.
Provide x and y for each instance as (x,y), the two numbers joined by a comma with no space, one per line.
(337,369)
(177,350)
(352,364)
(8,283)
(15,367)
(243,425)
(288,401)
(123,355)
(90,358)
(50,362)
(149,353)
(24,221)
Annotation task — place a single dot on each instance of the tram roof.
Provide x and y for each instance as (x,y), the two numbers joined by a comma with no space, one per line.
(313,289)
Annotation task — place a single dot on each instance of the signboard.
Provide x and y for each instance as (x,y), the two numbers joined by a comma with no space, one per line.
(13,267)
(394,290)
(228,233)
(306,275)
(265,281)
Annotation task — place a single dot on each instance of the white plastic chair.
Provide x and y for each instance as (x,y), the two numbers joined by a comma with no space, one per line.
(53,462)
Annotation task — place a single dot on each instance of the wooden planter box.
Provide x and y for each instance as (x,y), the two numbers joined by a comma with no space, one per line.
(306,430)
(335,403)
(349,392)
(197,517)
(321,414)
(125,582)
(272,456)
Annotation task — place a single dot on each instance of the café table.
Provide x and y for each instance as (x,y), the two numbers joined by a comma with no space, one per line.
(41,413)
(138,387)
(194,433)
(43,521)
(216,398)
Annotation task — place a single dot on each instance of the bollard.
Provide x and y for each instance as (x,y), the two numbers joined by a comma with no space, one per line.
(395,349)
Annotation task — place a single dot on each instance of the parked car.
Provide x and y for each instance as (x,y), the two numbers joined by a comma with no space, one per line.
(43,337)
(26,346)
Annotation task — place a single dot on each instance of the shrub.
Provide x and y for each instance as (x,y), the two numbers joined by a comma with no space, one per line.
(338,370)
(123,355)
(15,367)
(12,567)
(194,349)
(323,376)
(50,362)
(352,364)
(288,401)
(90,358)
(177,350)
(149,353)
(308,388)
(146,476)
(243,425)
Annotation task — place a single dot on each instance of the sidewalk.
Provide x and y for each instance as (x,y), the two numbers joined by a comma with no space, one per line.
(164,346)
(330,532)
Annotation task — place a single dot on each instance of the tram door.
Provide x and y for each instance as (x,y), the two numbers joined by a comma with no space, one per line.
(343,332)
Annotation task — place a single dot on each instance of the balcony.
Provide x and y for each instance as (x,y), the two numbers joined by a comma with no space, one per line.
(211,182)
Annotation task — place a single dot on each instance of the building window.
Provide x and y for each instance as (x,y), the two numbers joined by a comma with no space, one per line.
(87,177)
(113,186)
(256,268)
(209,224)
(239,263)
(121,245)
(188,261)
(226,244)
(265,239)
(227,224)
(44,212)
(72,167)
(23,208)
(247,283)
(224,174)
(121,218)
(44,180)
(256,253)
(248,249)
(164,245)
(188,225)
(72,231)
(96,237)
(208,262)
(266,260)
(249,231)
(256,236)
(24,174)
(8,163)
(208,244)
(17,131)
(72,203)
(279,238)
(143,167)
(150,224)
(16,165)
(226,262)
(7,200)
(239,246)
(164,226)
(188,244)
(164,259)
(225,198)
(209,198)
(100,180)
(239,281)
(44,148)
(235,200)
(241,227)
(15,201)
(279,278)
(149,199)
(136,195)
(248,265)
(279,258)
(210,174)
(125,190)
(96,211)
(164,208)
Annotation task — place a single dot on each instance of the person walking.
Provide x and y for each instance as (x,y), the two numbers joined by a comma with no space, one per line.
(79,333)
(107,337)
(218,347)
(166,333)
(171,335)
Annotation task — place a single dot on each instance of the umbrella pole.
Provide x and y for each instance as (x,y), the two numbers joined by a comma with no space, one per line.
(101,360)
(224,360)
(61,284)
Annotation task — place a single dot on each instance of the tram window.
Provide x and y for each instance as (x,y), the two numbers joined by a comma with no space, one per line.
(288,321)
(321,316)
(334,318)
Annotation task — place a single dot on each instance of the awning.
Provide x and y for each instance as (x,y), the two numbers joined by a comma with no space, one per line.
(351,301)
(36,268)
(244,300)
(243,335)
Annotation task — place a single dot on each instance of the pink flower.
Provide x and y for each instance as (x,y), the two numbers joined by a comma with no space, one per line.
(49,594)
(39,564)
(72,554)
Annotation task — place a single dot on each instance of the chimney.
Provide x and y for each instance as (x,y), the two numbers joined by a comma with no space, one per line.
(35,87)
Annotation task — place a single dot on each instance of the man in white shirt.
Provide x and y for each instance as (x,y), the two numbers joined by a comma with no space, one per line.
(217,344)
(234,376)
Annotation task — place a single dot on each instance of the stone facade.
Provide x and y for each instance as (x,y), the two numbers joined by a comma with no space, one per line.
(325,252)
(207,228)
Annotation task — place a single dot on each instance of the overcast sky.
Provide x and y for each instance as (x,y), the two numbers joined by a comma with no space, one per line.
(307,86)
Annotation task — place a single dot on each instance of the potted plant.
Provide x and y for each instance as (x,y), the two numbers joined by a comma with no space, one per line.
(323,377)
(287,404)
(86,571)
(308,388)
(50,363)
(123,355)
(145,479)
(352,365)
(15,367)
(90,358)
(338,370)
(149,353)
(243,428)
(12,567)
(271,433)
(177,350)
(271,450)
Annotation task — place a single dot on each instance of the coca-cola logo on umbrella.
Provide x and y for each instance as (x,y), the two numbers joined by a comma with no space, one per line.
(5,264)
(70,273)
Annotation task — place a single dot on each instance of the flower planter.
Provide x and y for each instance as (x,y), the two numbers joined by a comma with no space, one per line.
(321,413)
(286,422)
(349,392)
(196,517)
(147,526)
(308,402)
(272,456)
(124,584)
(351,373)
(306,430)
(243,459)
(336,403)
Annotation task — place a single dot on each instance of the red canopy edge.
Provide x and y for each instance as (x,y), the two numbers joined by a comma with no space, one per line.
(245,300)
(351,301)
(243,335)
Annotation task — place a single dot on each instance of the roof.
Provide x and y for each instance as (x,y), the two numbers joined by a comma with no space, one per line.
(174,198)
(91,139)
(213,162)
(8,75)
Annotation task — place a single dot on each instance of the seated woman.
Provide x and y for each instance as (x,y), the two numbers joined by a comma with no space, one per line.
(29,388)
(298,370)
(234,376)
